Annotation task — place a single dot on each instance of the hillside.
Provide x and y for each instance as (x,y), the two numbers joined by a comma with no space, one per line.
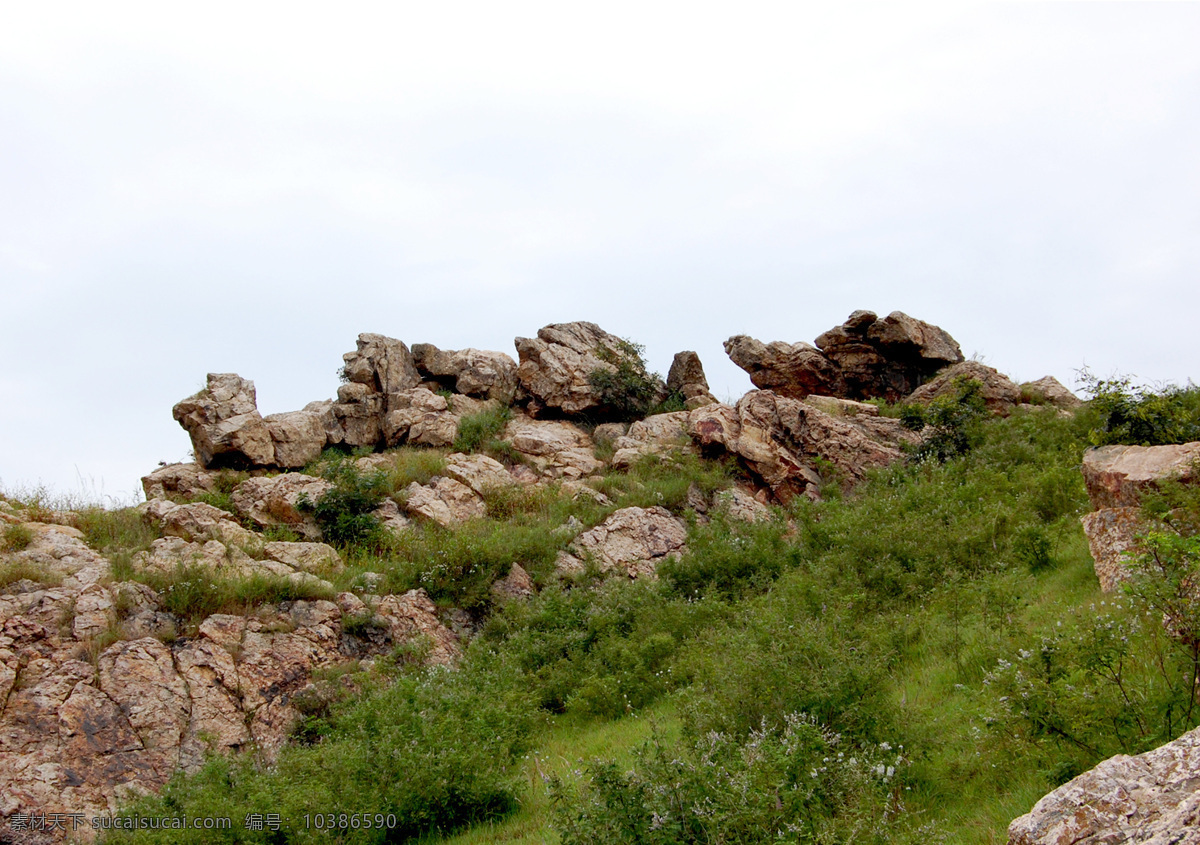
(562,599)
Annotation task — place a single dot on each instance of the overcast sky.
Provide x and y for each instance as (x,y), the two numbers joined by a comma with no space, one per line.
(246,187)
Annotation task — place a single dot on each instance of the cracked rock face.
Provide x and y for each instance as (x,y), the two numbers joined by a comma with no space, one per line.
(632,542)
(1151,799)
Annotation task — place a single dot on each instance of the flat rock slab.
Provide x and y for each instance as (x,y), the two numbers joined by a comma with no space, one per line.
(1116,476)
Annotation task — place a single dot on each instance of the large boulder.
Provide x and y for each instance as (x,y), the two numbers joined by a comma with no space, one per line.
(1050,391)
(381,364)
(658,435)
(1151,798)
(686,378)
(1116,476)
(444,501)
(863,358)
(224,424)
(1000,394)
(1112,534)
(555,449)
(179,481)
(475,372)
(420,417)
(377,370)
(276,501)
(556,367)
(299,437)
(632,542)
(779,440)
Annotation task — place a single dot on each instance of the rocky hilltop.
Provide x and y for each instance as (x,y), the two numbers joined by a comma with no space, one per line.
(108,688)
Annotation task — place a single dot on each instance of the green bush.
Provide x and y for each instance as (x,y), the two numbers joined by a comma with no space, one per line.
(1142,416)
(344,513)
(798,782)
(16,538)
(628,390)
(480,432)
(951,422)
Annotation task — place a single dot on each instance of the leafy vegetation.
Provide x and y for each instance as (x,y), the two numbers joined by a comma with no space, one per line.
(628,389)
(1141,416)
(481,432)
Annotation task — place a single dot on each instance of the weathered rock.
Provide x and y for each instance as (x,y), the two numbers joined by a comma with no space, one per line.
(1150,799)
(420,417)
(305,557)
(837,407)
(476,372)
(200,522)
(479,472)
(179,481)
(390,517)
(863,358)
(556,449)
(686,378)
(382,364)
(1111,533)
(632,541)
(444,501)
(1116,476)
(299,437)
(1000,394)
(412,617)
(779,439)
(556,367)
(216,722)
(140,676)
(1050,391)
(224,424)
(515,585)
(793,370)
(356,419)
(94,612)
(660,435)
(276,501)
(740,505)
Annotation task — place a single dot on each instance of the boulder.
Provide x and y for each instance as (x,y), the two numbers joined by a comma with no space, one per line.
(444,501)
(1151,798)
(200,522)
(1000,394)
(737,504)
(556,449)
(305,557)
(475,372)
(1116,476)
(658,435)
(299,437)
(479,472)
(179,481)
(1049,391)
(224,424)
(412,617)
(1111,534)
(686,378)
(555,367)
(789,369)
(381,364)
(863,358)
(420,417)
(515,585)
(632,541)
(274,501)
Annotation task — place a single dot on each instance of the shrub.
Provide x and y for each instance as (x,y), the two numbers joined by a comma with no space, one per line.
(628,389)
(344,513)
(951,421)
(16,538)
(1142,416)
(479,432)
(798,782)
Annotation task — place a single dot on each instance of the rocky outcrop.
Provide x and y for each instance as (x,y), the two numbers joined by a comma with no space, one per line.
(1151,798)
(179,481)
(276,501)
(1000,394)
(77,736)
(556,367)
(1116,476)
(1049,391)
(863,358)
(224,424)
(479,472)
(474,372)
(779,440)
(299,437)
(632,542)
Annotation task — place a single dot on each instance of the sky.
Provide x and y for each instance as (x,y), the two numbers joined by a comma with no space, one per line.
(246,187)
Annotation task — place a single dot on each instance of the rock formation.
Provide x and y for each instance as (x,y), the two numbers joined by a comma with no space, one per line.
(631,542)
(474,372)
(863,358)
(998,391)
(1150,798)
